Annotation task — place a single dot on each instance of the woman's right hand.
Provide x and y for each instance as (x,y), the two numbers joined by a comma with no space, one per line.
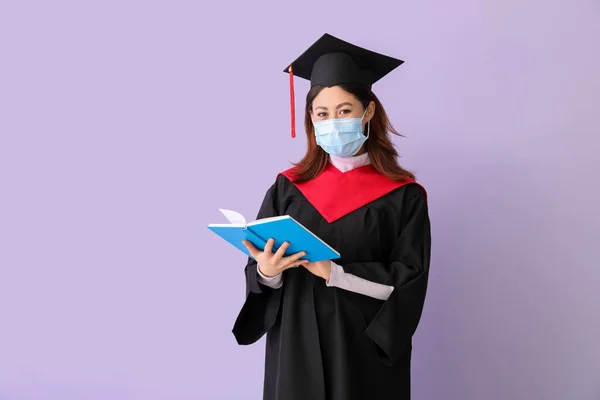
(272,264)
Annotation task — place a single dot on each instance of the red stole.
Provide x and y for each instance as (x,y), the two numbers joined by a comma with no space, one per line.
(335,193)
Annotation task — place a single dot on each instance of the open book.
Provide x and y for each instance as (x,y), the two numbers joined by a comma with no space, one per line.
(282,229)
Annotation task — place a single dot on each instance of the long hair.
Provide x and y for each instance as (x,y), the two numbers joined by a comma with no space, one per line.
(382,152)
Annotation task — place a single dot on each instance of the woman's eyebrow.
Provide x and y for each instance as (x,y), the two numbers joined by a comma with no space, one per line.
(344,104)
(338,107)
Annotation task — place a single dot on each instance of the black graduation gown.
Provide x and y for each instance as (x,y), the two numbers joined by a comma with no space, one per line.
(327,343)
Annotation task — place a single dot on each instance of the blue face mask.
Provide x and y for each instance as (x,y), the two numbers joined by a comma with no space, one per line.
(341,137)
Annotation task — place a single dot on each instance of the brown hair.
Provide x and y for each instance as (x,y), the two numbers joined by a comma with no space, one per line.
(382,152)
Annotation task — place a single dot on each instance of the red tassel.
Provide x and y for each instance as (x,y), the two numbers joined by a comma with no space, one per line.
(292,103)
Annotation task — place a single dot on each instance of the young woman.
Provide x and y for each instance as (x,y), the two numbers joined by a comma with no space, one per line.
(341,329)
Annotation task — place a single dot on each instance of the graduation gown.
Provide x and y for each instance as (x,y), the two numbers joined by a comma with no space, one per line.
(327,343)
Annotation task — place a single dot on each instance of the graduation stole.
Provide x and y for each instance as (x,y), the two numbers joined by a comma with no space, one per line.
(336,194)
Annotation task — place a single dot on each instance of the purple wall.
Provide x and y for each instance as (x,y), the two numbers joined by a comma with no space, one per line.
(125,125)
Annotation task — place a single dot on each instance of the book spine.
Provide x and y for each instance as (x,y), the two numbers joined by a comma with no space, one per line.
(259,242)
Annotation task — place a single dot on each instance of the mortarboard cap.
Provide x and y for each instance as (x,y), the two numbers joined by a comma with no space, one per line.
(331,61)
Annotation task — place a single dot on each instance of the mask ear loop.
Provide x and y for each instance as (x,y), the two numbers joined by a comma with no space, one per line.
(368,123)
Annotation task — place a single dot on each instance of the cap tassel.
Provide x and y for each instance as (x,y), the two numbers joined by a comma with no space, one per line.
(292,103)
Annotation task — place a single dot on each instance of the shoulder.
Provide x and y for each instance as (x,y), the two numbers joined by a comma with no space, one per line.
(408,195)
(285,179)
(288,174)
(282,183)
(414,199)
(414,189)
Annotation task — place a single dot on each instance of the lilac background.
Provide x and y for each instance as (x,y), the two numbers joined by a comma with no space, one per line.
(125,126)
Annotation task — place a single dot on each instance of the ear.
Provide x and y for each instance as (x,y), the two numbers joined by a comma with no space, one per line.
(370,111)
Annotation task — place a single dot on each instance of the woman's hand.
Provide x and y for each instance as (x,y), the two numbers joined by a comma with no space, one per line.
(272,264)
(320,268)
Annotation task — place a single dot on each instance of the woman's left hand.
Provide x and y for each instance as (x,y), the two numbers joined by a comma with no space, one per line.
(320,268)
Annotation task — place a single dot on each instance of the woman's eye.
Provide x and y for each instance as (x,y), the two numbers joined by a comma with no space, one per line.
(321,115)
(345,111)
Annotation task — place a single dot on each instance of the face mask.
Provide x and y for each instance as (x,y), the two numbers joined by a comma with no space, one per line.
(341,137)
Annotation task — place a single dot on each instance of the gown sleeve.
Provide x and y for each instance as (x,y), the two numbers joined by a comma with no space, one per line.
(259,311)
(392,323)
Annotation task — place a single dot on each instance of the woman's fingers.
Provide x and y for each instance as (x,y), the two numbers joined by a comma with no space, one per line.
(254,252)
(293,258)
(278,259)
(269,246)
(280,252)
(312,268)
(300,263)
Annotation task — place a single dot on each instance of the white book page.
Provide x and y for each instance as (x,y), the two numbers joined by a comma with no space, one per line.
(269,219)
(234,217)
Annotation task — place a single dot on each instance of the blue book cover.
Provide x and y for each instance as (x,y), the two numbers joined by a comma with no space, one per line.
(282,229)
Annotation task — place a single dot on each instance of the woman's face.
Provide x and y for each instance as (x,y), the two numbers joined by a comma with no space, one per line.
(334,102)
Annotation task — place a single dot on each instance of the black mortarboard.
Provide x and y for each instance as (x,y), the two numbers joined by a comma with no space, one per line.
(331,61)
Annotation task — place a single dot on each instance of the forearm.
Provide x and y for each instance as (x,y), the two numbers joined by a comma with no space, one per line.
(274,282)
(343,280)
